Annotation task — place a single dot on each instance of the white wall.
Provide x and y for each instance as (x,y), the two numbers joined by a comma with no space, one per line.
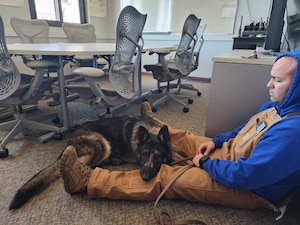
(215,43)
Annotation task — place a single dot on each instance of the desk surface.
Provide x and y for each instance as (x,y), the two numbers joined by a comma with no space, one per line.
(62,48)
(235,56)
(70,48)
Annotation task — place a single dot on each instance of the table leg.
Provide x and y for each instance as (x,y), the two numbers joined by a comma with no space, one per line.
(62,91)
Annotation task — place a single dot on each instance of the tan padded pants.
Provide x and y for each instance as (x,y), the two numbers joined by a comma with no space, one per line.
(194,185)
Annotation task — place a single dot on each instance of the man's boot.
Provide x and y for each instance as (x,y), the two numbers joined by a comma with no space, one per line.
(75,174)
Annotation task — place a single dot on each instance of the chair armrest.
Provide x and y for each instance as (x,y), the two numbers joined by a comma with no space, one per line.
(5,70)
(162,51)
(89,72)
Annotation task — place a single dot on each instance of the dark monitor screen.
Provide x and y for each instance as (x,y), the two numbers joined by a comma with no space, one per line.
(293,24)
(275,26)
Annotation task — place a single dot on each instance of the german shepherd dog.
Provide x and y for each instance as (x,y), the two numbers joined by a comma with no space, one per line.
(113,141)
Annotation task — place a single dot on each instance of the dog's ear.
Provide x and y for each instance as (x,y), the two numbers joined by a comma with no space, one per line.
(143,135)
(165,138)
(163,135)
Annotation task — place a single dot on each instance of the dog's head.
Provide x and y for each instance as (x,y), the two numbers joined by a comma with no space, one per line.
(153,151)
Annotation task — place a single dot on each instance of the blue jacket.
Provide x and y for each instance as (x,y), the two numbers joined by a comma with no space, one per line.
(273,168)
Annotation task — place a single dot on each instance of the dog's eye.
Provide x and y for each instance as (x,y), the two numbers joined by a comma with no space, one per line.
(156,155)
(145,153)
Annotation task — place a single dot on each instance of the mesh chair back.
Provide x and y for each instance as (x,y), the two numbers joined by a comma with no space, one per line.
(79,33)
(31,31)
(10,77)
(124,72)
(185,51)
(198,47)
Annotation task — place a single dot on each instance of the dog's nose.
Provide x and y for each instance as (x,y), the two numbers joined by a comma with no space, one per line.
(146,175)
(146,178)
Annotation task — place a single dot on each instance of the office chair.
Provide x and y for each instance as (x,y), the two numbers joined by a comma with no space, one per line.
(167,71)
(195,62)
(34,31)
(79,33)
(18,90)
(82,33)
(120,86)
(37,31)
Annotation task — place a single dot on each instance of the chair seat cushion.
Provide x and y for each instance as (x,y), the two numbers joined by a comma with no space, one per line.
(82,87)
(159,73)
(34,64)
(88,72)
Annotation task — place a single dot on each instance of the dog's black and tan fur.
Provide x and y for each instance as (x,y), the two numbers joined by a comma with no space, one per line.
(113,141)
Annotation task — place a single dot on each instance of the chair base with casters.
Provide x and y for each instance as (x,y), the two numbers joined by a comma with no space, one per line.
(8,113)
(168,96)
(22,124)
(172,97)
(180,86)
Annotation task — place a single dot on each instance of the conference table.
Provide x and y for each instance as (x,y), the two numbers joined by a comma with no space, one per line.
(63,50)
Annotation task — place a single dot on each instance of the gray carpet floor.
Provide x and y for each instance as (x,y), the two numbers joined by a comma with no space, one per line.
(54,206)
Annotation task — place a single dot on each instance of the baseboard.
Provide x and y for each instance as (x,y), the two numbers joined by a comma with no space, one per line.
(199,79)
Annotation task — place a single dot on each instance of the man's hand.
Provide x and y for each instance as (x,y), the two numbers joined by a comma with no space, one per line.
(196,159)
(206,148)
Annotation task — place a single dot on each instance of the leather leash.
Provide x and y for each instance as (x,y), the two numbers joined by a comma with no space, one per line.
(182,160)
(159,216)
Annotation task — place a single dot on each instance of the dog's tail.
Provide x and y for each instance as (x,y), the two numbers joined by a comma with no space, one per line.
(35,185)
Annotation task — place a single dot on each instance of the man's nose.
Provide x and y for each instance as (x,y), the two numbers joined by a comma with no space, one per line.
(270,84)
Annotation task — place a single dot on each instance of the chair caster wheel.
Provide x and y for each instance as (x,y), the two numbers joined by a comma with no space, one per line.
(56,120)
(199,93)
(154,109)
(185,109)
(56,97)
(190,101)
(3,153)
(58,136)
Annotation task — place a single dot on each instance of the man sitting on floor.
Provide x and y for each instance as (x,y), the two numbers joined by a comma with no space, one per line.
(256,165)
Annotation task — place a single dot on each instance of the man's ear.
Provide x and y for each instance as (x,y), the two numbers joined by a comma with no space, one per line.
(163,135)
(143,135)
